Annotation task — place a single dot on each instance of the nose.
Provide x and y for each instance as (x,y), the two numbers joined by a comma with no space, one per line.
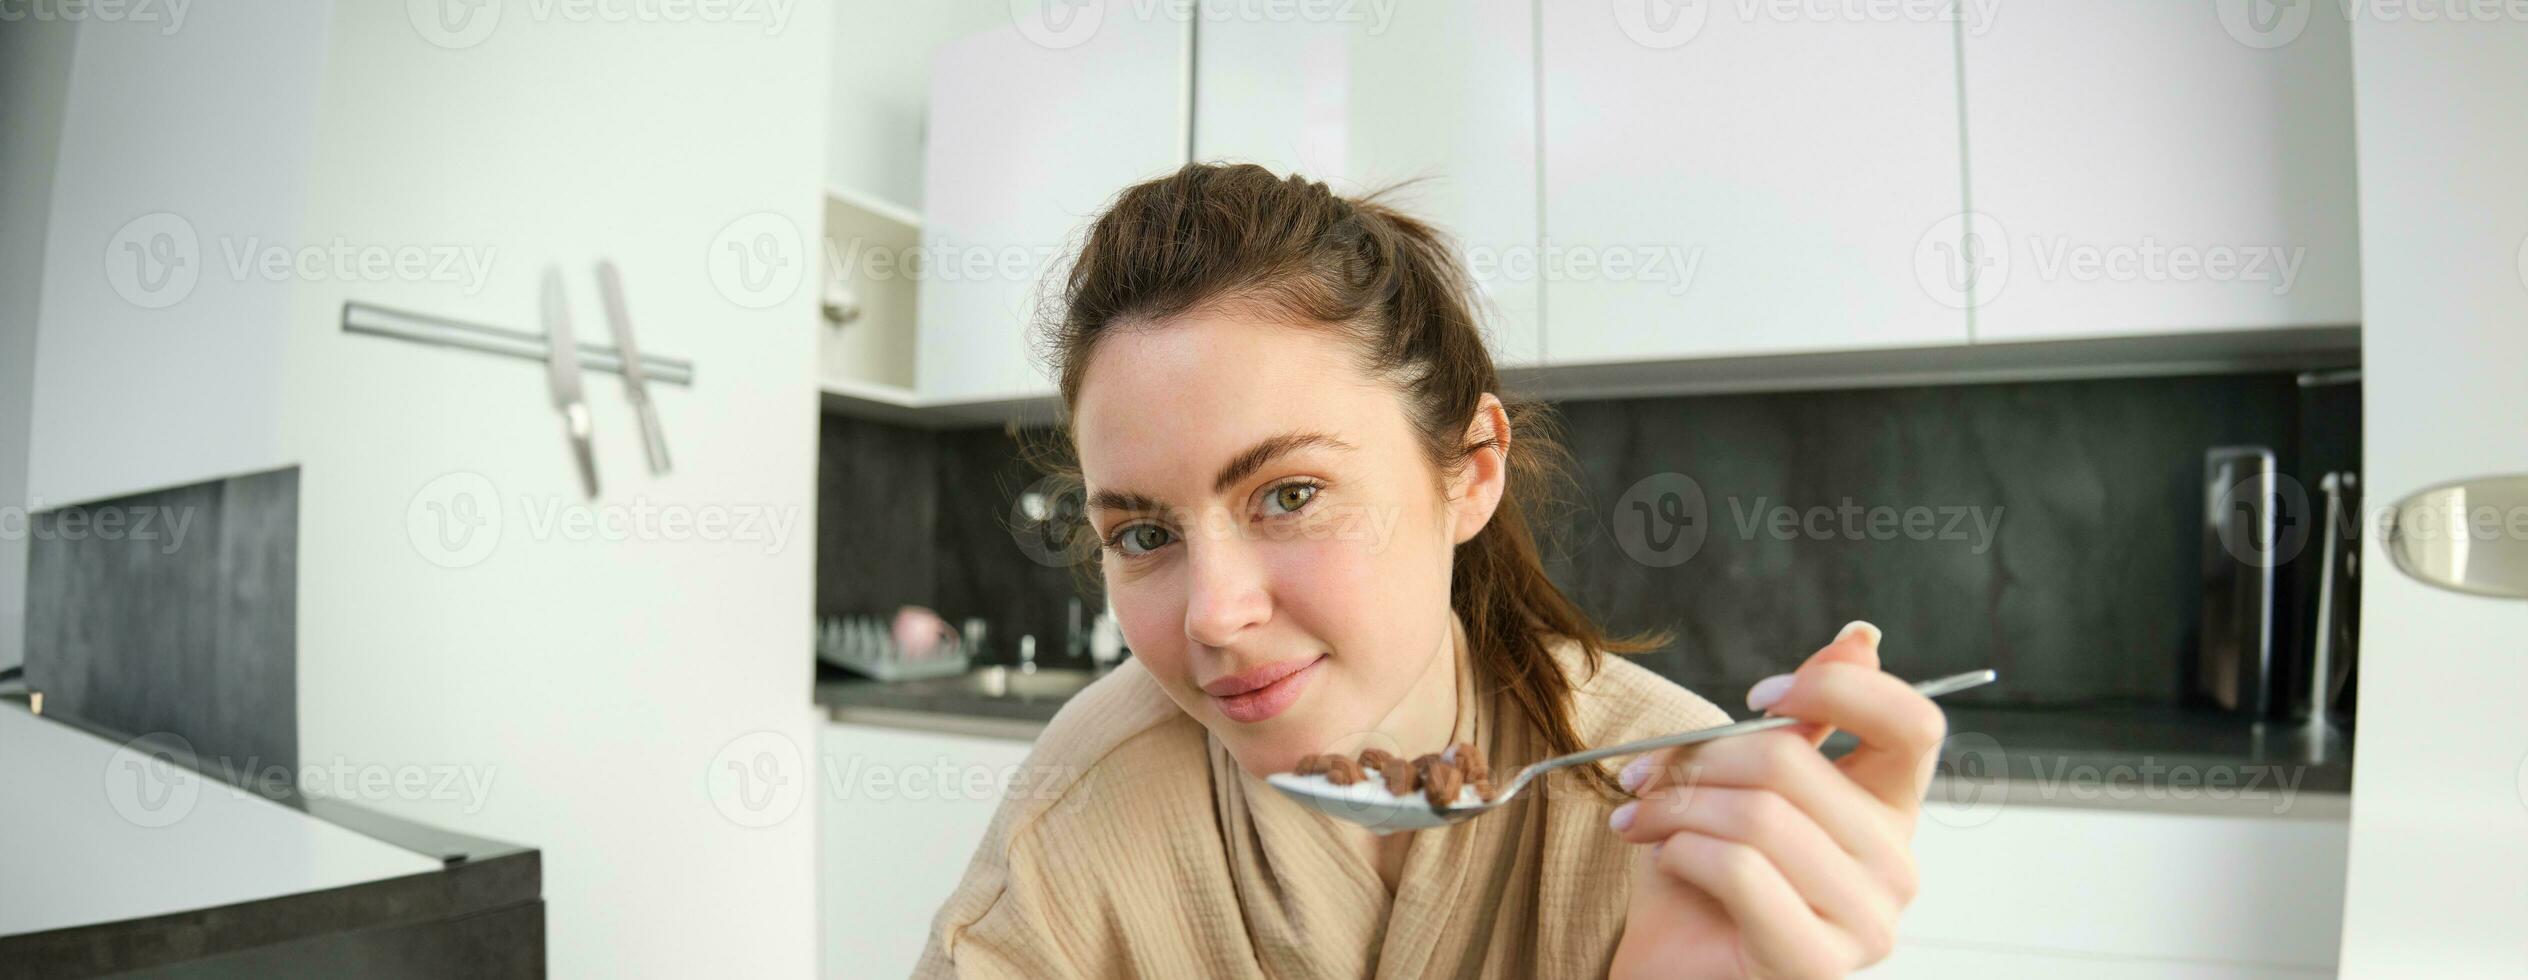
(1226,592)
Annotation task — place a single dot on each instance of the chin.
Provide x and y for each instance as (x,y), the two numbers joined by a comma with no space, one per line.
(1279,744)
(1269,748)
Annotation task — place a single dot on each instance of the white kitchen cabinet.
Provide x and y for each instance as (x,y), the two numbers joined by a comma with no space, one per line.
(2440,843)
(904,811)
(2146,168)
(2243,885)
(1727,179)
(1365,97)
(161,342)
(1034,128)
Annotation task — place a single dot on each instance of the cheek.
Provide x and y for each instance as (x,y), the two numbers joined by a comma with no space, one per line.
(1151,612)
(1364,588)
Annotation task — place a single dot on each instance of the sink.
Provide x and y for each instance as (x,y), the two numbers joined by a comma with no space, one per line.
(1043,684)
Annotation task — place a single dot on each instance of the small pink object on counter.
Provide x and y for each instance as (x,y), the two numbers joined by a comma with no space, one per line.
(919,632)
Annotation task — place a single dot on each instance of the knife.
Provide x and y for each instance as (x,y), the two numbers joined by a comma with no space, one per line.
(561,362)
(636,382)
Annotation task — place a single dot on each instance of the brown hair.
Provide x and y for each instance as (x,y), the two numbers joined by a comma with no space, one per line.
(1235,234)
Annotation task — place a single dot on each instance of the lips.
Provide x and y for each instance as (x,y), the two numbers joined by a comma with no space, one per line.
(1258,693)
(1253,678)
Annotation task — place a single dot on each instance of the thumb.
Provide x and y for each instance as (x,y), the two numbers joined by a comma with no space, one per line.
(1857,645)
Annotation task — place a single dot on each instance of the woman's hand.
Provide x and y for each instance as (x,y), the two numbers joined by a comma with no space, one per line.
(1768,859)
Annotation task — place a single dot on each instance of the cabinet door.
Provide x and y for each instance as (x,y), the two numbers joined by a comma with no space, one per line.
(1738,179)
(2257,877)
(904,813)
(1034,128)
(2441,844)
(161,340)
(1441,93)
(2155,168)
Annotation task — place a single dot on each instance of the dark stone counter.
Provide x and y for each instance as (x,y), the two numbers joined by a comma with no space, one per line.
(2092,755)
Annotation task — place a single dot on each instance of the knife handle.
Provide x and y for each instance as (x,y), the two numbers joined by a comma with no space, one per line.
(581,427)
(653,439)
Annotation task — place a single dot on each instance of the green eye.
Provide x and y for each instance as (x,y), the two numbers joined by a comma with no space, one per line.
(1140,539)
(1289,497)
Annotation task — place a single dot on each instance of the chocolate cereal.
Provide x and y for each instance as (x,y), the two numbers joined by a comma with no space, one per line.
(1439,784)
(1438,776)
(1400,776)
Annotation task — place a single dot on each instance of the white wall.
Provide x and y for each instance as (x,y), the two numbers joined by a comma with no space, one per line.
(881,89)
(2438,878)
(186,141)
(34,82)
(594,682)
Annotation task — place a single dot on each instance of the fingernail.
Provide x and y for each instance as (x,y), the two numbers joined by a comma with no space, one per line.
(1869,634)
(1769,691)
(1636,773)
(1623,816)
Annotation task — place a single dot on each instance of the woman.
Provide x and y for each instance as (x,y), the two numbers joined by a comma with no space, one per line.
(1306,498)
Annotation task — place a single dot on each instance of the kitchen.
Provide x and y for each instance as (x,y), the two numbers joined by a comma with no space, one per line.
(2128,352)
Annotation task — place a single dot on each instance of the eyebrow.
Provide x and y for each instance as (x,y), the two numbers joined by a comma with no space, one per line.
(1240,467)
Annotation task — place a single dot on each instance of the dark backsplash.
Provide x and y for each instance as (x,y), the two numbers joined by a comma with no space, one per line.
(2050,530)
(174,611)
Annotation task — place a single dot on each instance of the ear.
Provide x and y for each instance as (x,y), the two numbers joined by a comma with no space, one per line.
(1480,481)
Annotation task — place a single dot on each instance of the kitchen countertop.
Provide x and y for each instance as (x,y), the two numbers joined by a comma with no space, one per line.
(137,856)
(2100,755)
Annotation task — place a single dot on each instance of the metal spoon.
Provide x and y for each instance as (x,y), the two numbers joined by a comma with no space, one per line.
(1369,804)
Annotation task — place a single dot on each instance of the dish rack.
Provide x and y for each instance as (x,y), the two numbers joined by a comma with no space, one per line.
(866,645)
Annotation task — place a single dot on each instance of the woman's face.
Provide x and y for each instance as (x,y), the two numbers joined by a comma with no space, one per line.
(1277,544)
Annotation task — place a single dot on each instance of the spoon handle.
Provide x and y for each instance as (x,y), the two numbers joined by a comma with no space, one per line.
(1931,689)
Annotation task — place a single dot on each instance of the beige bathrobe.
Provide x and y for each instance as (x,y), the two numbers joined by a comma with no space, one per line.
(1135,846)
